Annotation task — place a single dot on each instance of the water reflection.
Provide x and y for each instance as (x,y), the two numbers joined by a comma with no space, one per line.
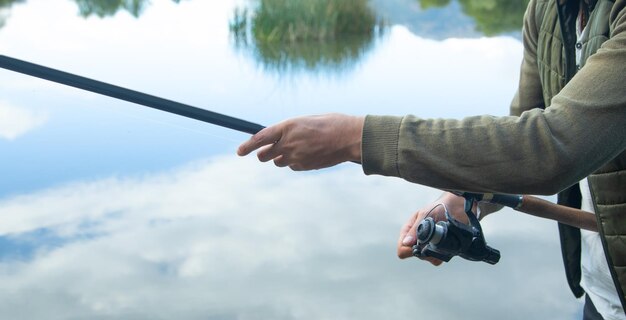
(105,8)
(319,35)
(5,5)
(330,36)
(86,8)
(16,121)
(113,211)
(492,17)
(230,238)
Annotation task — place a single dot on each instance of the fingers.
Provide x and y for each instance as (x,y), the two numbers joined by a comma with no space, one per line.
(264,137)
(434,262)
(270,152)
(407,239)
(407,252)
(411,237)
(280,161)
(408,234)
(269,142)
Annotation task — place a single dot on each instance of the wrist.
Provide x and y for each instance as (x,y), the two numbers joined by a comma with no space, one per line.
(356,134)
(458,202)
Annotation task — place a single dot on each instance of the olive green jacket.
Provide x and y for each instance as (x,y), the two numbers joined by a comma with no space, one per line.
(566,125)
(553,48)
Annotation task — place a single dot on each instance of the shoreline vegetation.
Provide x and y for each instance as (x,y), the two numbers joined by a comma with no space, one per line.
(87,8)
(306,34)
(492,17)
(321,35)
(311,20)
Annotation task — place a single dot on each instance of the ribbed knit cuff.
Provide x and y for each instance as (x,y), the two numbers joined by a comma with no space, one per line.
(379,146)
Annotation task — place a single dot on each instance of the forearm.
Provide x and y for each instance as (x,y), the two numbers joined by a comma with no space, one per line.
(530,154)
(540,152)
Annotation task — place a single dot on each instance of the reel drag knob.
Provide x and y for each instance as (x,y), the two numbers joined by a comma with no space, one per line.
(430,232)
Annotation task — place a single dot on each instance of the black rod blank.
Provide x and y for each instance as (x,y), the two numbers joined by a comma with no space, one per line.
(117,92)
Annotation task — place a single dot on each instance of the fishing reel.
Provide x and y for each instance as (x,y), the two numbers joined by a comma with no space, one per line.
(445,239)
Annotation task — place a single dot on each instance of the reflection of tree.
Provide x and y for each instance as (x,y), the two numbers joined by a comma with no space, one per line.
(5,5)
(305,34)
(492,16)
(337,55)
(104,8)
(425,4)
(86,8)
(8,3)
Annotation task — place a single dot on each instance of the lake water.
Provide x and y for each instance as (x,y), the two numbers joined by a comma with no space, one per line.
(109,210)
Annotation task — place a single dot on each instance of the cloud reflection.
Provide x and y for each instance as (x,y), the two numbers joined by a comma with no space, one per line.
(230,238)
(15,121)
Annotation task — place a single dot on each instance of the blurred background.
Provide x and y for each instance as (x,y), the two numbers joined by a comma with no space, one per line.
(110,210)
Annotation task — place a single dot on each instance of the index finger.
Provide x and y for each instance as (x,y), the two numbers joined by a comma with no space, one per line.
(264,137)
(404,231)
(406,250)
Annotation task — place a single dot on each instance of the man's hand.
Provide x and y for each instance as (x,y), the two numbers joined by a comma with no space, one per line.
(308,143)
(456,207)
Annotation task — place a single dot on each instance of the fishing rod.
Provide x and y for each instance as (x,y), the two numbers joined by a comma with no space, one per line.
(445,239)
(133,96)
(527,204)
(539,208)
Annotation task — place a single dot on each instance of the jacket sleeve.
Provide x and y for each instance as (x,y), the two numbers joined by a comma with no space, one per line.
(538,152)
(529,93)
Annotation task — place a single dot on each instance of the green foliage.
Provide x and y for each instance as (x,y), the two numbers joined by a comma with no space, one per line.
(496,16)
(291,57)
(291,35)
(426,4)
(239,24)
(6,4)
(104,8)
(100,8)
(303,20)
(492,17)
(107,8)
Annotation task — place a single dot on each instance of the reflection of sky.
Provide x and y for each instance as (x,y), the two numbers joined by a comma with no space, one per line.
(14,121)
(231,238)
(110,210)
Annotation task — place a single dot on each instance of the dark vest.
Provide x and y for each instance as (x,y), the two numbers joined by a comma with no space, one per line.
(557,65)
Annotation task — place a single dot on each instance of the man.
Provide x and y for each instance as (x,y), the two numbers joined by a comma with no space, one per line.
(590,273)
(567,124)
